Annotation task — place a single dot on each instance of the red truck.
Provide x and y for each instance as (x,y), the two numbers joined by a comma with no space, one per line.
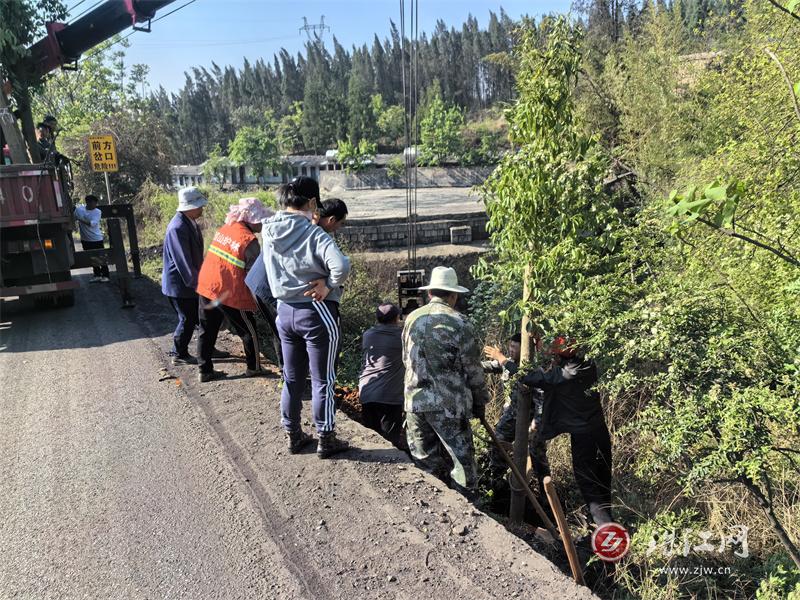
(36,220)
(36,248)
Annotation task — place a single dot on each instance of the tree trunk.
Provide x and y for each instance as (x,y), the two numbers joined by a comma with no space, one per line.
(11,132)
(28,129)
(769,510)
(516,510)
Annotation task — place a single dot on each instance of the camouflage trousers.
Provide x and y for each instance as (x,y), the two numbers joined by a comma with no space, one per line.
(506,430)
(430,434)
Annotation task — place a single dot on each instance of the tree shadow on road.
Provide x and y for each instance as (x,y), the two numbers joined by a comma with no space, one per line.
(97,318)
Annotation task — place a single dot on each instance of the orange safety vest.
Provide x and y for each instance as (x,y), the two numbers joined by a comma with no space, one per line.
(222,274)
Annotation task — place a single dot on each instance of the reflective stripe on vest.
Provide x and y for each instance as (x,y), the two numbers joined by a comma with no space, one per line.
(226,256)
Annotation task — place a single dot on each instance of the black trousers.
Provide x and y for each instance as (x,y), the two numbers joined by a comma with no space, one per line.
(101,270)
(243,324)
(186,309)
(269,310)
(591,463)
(386,419)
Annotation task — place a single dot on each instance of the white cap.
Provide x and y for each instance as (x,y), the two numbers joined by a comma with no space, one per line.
(190,198)
(444,278)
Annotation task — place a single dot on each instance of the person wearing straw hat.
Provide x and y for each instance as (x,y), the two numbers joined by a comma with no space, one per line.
(222,289)
(444,384)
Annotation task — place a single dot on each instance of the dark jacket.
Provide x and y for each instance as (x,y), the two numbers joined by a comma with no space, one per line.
(183,256)
(257,281)
(570,403)
(383,373)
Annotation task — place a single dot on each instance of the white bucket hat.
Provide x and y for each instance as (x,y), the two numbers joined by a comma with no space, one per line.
(190,198)
(444,278)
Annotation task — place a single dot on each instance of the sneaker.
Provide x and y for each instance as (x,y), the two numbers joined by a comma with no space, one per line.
(220,354)
(96,279)
(105,279)
(329,445)
(186,359)
(212,376)
(297,440)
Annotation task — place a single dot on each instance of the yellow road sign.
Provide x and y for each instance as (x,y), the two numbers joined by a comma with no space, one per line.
(103,153)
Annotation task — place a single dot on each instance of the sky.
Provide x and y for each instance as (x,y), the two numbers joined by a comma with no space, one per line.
(226,31)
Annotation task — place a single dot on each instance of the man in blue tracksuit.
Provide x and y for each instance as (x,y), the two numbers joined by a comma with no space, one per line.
(183,256)
(305,271)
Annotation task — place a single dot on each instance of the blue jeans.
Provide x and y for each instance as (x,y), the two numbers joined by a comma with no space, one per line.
(309,333)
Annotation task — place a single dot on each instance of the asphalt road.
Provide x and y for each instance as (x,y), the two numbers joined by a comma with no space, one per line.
(121,477)
(110,484)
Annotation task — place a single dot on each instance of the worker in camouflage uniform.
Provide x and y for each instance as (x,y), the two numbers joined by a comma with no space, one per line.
(444,384)
(507,367)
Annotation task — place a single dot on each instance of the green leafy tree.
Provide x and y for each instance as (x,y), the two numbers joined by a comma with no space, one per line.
(549,219)
(440,133)
(216,166)
(355,157)
(79,98)
(390,120)
(257,148)
(288,130)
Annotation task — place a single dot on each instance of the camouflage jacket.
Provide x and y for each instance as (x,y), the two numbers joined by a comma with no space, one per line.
(442,361)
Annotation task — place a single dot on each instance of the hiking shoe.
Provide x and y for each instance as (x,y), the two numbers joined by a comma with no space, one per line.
(260,372)
(297,440)
(186,359)
(220,354)
(212,376)
(329,445)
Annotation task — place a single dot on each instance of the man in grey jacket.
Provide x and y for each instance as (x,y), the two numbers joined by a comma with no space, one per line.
(305,271)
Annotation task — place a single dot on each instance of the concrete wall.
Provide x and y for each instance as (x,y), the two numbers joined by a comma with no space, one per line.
(393,233)
(426,177)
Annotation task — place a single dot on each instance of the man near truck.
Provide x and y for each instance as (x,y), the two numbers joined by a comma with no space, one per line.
(88,217)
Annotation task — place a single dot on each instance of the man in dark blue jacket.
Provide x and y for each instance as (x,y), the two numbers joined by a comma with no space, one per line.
(183,256)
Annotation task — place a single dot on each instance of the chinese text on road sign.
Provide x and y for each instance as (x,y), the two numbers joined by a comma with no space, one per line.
(103,153)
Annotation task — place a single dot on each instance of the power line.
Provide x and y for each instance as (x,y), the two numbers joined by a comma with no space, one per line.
(201,44)
(100,51)
(91,8)
(174,11)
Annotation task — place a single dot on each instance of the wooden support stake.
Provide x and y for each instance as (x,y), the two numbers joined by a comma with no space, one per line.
(521,480)
(566,536)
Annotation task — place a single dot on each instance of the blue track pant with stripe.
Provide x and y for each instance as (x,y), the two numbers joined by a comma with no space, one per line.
(309,333)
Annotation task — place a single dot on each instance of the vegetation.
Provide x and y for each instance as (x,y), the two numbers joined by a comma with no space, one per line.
(355,157)
(679,275)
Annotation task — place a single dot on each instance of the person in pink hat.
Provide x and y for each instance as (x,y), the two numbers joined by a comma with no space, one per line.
(222,290)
